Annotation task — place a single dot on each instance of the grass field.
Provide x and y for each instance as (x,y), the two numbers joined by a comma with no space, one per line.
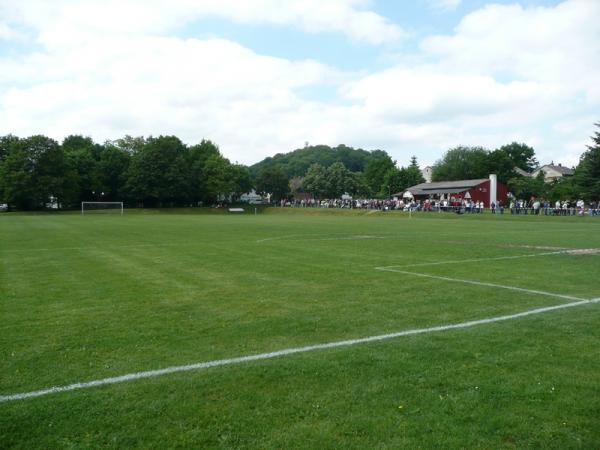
(87,298)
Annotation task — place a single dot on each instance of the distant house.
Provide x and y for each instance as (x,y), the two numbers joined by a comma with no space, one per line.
(476,190)
(251,197)
(426,172)
(521,172)
(553,172)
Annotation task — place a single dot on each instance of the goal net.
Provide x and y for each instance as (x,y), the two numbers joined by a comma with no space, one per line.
(101,207)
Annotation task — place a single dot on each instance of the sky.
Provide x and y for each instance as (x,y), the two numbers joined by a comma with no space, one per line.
(260,77)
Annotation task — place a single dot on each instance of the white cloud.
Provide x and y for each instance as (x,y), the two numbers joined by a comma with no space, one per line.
(557,45)
(506,73)
(6,32)
(444,5)
(213,88)
(62,21)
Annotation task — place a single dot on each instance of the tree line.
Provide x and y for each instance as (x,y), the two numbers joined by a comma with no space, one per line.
(153,171)
(163,171)
(511,162)
(379,178)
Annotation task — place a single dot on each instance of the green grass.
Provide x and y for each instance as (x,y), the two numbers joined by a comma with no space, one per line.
(83,298)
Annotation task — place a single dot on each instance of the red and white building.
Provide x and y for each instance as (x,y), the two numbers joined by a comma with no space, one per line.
(486,190)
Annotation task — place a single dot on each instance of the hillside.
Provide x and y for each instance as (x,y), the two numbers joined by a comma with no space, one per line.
(297,162)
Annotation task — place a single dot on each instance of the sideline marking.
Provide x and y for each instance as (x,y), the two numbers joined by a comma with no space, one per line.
(291,351)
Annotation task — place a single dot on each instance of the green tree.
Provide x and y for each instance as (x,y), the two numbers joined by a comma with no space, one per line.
(586,179)
(297,162)
(273,180)
(5,144)
(35,170)
(375,173)
(217,181)
(316,182)
(52,177)
(412,174)
(521,155)
(398,180)
(357,185)
(158,172)
(393,182)
(16,179)
(527,187)
(339,181)
(197,156)
(500,163)
(113,166)
(82,158)
(462,163)
(241,180)
(561,189)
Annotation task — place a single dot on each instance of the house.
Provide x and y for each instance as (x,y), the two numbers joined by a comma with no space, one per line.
(484,190)
(251,197)
(553,172)
(521,172)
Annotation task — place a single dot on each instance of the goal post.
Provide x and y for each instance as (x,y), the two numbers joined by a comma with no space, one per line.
(87,207)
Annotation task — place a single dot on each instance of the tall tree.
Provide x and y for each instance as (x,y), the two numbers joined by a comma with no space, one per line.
(412,174)
(521,155)
(82,157)
(586,179)
(273,180)
(461,163)
(339,180)
(527,187)
(241,180)
(52,177)
(197,156)
(16,179)
(316,182)
(158,172)
(217,182)
(112,168)
(500,163)
(376,171)
(397,180)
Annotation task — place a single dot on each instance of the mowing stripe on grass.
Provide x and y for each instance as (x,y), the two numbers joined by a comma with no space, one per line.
(291,351)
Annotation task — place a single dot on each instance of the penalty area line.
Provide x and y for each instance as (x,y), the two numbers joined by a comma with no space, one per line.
(286,352)
(478,283)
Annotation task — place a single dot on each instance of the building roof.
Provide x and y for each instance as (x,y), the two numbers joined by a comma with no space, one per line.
(560,169)
(521,172)
(444,187)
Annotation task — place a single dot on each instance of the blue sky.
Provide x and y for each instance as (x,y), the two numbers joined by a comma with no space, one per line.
(260,77)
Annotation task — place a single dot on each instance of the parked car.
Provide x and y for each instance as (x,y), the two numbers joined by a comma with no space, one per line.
(3,207)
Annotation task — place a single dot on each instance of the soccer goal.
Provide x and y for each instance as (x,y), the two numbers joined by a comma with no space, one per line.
(101,207)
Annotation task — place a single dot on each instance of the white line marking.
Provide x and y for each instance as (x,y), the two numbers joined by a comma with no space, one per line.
(291,351)
(320,237)
(458,261)
(582,251)
(478,283)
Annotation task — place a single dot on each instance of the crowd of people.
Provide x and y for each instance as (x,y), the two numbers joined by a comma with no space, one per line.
(458,205)
(557,208)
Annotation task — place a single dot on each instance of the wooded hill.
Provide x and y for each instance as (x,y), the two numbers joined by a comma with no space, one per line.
(297,162)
